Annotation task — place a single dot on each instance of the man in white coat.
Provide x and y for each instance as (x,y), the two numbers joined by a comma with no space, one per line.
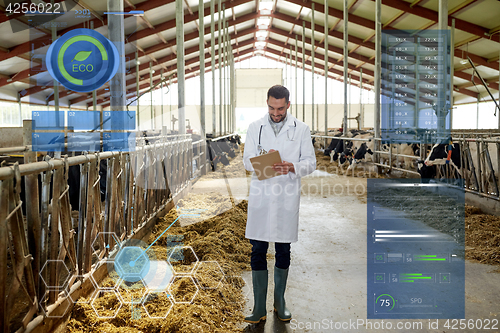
(273,204)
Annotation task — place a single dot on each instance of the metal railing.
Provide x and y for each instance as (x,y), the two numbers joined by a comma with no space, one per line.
(390,154)
(46,251)
(480,160)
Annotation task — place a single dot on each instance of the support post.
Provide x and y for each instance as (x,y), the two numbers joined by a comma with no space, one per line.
(116,30)
(350,96)
(212,64)
(452,68)
(441,112)
(94,92)
(219,49)
(477,112)
(179,31)
(161,101)
(20,109)
(312,65)
(33,221)
(56,84)
(201,24)
(233,92)
(326,68)
(361,107)
(287,79)
(416,109)
(151,94)
(224,26)
(291,78)
(304,71)
(346,57)
(137,88)
(378,63)
(223,66)
(296,79)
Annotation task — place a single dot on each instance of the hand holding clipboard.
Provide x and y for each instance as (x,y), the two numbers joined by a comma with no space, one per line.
(270,165)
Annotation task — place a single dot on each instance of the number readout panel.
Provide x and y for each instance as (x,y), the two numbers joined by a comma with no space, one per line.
(82,131)
(415,85)
(415,244)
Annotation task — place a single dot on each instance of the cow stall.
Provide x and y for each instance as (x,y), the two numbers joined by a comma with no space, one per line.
(469,155)
(52,248)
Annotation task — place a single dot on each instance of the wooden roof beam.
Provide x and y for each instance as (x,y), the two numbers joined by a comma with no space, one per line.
(432,15)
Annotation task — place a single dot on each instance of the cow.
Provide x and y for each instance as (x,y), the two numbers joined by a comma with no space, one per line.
(409,149)
(319,142)
(225,146)
(216,154)
(235,140)
(441,154)
(340,152)
(360,155)
(333,144)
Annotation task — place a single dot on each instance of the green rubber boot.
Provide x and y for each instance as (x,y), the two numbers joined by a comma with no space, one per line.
(280,276)
(259,280)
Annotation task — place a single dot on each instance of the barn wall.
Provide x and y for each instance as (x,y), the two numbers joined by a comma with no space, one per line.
(11,136)
(252,86)
(335,115)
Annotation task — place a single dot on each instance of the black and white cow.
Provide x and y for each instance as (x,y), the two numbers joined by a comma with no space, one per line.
(340,152)
(333,144)
(360,154)
(440,155)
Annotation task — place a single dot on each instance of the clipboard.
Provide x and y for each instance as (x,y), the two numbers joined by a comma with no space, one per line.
(263,165)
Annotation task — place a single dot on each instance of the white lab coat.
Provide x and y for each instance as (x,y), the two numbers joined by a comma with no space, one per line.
(273,204)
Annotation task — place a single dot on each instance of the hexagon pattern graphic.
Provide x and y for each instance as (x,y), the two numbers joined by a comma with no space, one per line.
(128,291)
(111,279)
(106,304)
(60,311)
(161,283)
(208,274)
(62,270)
(236,282)
(183,260)
(157,304)
(133,260)
(105,240)
(94,289)
(159,276)
(183,289)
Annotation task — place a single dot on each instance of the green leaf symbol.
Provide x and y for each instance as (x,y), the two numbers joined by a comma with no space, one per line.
(82,55)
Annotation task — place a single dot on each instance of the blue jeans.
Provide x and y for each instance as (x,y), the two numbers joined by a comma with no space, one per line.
(259,251)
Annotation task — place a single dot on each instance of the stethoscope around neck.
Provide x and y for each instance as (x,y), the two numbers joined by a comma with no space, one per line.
(259,147)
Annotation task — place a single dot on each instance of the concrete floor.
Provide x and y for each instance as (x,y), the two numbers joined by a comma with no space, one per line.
(327,278)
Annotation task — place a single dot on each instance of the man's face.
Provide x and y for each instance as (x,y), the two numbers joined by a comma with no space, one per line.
(277,108)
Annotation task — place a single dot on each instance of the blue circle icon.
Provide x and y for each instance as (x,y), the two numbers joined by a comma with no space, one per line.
(132,262)
(82,60)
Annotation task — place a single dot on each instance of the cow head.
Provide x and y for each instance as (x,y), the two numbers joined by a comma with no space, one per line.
(416,149)
(425,171)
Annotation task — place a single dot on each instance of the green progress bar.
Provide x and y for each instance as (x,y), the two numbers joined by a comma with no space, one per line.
(407,281)
(436,259)
(418,277)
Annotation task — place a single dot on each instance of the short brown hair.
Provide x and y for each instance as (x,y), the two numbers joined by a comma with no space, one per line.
(279,92)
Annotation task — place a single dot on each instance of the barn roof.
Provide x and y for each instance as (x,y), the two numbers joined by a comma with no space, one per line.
(267,28)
